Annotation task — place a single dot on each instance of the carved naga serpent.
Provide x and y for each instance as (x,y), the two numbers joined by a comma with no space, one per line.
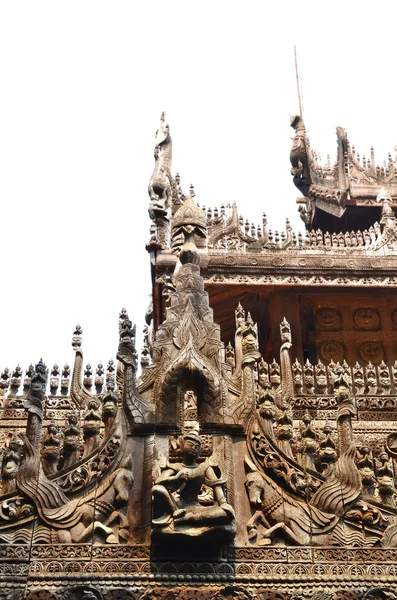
(160,182)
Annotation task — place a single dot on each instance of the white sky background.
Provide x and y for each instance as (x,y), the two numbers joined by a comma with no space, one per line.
(83,84)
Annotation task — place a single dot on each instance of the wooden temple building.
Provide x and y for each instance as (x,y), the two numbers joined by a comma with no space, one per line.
(250,449)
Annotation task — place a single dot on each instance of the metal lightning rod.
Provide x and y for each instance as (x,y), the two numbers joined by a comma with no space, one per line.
(297,81)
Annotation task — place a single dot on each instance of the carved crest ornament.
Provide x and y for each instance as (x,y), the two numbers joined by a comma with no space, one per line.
(248,465)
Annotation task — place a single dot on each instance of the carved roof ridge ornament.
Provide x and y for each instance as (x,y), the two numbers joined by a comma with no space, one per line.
(138,413)
(388,223)
(287,380)
(326,187)
(79,395)
(162,187)
(30,477)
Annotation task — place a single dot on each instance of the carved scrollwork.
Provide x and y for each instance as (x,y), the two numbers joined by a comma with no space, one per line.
(15,509)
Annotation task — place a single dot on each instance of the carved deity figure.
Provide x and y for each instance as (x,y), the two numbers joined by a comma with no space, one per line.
(177,511)
(51,452)
(385,480)
(365,464)
(11,462)
(326,452)
(71,450)
(109,411)
(92,427)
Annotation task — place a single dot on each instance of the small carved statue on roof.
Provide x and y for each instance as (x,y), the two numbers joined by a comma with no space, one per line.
(177,512)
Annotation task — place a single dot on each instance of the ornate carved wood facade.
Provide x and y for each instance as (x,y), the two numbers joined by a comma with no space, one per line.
(253,454)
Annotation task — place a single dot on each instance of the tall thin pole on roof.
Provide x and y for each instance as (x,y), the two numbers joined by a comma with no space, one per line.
(297,81)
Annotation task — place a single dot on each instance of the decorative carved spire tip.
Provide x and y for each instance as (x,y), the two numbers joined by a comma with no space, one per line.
(285,331)
(77,337)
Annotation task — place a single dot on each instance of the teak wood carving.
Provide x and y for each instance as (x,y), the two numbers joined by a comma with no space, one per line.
(253,452)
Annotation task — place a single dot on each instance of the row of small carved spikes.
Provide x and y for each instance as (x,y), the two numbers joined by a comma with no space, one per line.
(367,164)
(369,379)
(59,380)
(318,239)
(354,239)
(341,240)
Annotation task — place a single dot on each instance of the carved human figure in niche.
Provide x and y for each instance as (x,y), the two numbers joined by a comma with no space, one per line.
(190,406)
(177,511)
(11,462)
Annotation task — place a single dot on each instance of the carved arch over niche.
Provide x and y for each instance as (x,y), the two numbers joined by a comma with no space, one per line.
(189,370)
(177,382)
